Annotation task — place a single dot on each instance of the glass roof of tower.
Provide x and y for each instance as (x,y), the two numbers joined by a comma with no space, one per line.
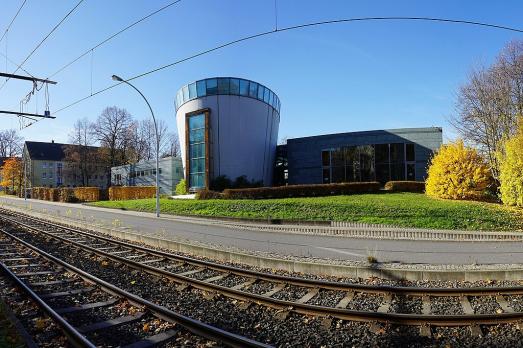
(227,86)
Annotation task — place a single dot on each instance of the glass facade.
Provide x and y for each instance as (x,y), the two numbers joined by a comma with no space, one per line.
(378,162)
(227,86)
(196,131)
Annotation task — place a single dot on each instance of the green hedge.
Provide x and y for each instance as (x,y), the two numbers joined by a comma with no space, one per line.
(302,190)
(405,186)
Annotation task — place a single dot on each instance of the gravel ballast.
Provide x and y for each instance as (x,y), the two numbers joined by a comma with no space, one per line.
(257,322)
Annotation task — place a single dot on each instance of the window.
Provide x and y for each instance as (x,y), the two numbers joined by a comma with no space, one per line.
(382,153)
(253,89)
(160,171)
(212,86)
(266,95)
(411,171)
(201,89)
(326,176)
(44,175)
(409,149)
(59,173)
(223,86)
(197,170)
(44,165)
(192,91)
(261,90)
(380,162)
(326,158)
(396,152)
(235,86)
(185,91)
(244,87)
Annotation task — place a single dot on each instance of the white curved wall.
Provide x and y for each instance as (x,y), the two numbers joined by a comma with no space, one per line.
(243,134)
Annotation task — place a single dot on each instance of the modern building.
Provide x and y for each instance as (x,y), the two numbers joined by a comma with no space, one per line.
(143,173)
(47,165)
(379,155)
(227,127)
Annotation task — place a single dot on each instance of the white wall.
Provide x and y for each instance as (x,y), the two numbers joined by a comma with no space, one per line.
(243,135)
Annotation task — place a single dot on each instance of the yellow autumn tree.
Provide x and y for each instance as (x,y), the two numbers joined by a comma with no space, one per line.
(458,172)
(510,160)
(11,174)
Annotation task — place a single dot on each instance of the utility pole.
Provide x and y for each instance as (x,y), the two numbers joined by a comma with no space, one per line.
(118,78)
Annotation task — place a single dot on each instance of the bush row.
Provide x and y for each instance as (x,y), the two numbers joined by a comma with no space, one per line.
(208,194)
(405,186)
(67,194)
(294,191)
(120,193)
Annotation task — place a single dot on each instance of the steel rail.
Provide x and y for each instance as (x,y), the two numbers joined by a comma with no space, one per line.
(75,337)
(303,308)
(305,282)
(196,327)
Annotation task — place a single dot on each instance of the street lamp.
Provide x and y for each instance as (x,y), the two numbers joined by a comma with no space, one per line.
(118,78)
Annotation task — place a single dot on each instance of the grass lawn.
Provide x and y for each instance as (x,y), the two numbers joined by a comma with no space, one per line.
(399,209)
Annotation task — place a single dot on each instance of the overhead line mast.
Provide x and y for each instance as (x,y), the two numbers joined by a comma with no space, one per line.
(47,113)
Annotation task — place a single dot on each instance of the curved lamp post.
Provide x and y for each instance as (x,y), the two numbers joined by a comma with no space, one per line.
(117,78)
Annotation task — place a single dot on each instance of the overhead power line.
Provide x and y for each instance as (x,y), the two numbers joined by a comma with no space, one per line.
(15,64)
(43,40)
(290,28)
(12,20)
(113,36)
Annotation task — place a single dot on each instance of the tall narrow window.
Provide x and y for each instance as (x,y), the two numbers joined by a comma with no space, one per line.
(197,152)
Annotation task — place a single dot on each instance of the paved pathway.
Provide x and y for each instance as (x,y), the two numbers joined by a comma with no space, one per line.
(436,252)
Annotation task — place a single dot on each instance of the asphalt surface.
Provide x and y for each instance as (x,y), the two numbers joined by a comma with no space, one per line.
(434,252)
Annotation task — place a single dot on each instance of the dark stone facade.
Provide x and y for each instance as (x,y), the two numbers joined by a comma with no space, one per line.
(304,155)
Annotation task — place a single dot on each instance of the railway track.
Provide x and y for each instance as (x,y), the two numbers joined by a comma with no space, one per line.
(389,304)
(70,296)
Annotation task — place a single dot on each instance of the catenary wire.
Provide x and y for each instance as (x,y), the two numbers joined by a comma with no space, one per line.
(113,36)
(12,20)
(290,28)
(15,64)
(43,40)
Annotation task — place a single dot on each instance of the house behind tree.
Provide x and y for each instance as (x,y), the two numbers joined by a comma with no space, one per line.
(50,164)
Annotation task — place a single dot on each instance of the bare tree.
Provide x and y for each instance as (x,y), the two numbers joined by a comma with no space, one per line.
(11,143)
(80,155)
(147,136)
(111,129)
(172,147)
(490,103)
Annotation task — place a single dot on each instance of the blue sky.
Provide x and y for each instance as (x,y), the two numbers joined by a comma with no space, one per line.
(335,78)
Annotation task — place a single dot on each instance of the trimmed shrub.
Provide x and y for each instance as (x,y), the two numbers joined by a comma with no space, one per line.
(37,192)
(104,194)
(120,193)
(66,194)
(458,172)
(405,186)
(87,194)
(181,187)
(302,190)
(208,194)
(54,194)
